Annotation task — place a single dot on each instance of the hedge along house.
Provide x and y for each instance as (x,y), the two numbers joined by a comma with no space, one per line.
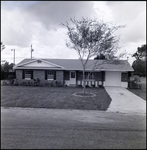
(70,71)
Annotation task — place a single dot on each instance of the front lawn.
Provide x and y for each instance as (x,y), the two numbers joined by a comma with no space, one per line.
(53,97)
(140,92)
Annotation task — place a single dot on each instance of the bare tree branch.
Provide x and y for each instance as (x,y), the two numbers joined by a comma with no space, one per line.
(90,37)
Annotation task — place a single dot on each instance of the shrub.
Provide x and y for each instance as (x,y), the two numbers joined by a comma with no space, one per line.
(79,85)
(58,83)
(100,86)
(16,82)
(87,86)
(134,84)
(93,85)
(36,82)
(6,82)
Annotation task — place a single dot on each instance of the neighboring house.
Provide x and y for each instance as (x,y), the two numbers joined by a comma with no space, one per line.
(69,71)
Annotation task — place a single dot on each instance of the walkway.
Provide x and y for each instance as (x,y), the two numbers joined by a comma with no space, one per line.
(125,101)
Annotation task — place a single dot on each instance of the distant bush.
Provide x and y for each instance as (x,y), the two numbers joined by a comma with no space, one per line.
(59,83)
(135,83)
(139,67)
(33,82)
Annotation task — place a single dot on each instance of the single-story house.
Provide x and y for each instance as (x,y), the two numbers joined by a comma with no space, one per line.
(70,71)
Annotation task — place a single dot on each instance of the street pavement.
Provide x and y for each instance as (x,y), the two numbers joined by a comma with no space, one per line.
(38,128)
(122,126)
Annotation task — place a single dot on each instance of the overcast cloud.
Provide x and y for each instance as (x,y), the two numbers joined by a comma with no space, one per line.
(38,23)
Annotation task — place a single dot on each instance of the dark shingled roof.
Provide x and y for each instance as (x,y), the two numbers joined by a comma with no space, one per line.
(75,64)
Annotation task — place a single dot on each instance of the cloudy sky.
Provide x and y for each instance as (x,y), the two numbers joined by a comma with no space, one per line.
(38,23)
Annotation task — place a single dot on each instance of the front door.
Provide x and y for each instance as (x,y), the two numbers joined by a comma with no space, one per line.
(72,77)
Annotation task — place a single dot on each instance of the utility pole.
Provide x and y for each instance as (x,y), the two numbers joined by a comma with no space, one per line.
(14,55)
(2,46)
(31,51)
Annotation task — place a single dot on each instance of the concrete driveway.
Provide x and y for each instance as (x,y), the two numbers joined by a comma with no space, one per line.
(125,101)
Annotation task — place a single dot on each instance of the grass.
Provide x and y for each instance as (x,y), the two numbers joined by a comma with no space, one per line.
(53,97)
(140,92)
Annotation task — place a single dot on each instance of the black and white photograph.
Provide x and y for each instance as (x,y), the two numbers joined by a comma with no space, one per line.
(73,74)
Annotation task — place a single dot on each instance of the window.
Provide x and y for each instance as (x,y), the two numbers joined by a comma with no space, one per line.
(73,75)
(91,75)
(66,75)
(124,77)
(28,74)
(50,75)
(86,74)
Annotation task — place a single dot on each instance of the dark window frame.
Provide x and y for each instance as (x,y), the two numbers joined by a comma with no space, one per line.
(91,76)
(66,75)
(50,75)
(72,74)
(27,74)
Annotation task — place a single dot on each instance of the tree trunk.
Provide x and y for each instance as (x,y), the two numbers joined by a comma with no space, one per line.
(84,81)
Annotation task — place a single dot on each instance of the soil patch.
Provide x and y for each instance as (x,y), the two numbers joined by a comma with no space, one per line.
(81,94)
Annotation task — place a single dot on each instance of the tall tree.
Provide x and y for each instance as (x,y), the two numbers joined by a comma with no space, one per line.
(90,37)
(140,54)
(139,65)
(6,67)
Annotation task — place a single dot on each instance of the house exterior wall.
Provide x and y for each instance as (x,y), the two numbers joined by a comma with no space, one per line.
(59,76)
(70,79)
(19,75)
(124,84)
(97,76)
(113,78)
(124,77)
(39,74)
(116,78)
(36,74)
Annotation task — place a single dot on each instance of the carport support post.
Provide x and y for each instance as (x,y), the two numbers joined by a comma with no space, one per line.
(102,78)
(129,75)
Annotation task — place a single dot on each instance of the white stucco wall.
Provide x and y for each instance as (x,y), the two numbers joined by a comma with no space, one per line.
(113,78)
(124,84)
(67,82)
